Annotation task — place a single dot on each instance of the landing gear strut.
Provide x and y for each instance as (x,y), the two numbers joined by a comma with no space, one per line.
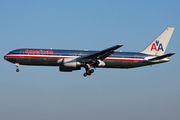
(17,65)
(88,70)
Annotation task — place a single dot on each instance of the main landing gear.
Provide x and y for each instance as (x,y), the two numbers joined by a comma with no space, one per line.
(88,70)
(17,65)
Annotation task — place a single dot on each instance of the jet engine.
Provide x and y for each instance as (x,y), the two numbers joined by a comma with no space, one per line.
(68,65)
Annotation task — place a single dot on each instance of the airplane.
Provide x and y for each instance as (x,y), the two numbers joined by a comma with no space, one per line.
(70,60)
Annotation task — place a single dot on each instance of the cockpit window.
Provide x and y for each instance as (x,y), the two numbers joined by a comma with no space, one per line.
(10,53)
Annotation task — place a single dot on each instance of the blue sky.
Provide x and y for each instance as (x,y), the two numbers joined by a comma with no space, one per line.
(43,93)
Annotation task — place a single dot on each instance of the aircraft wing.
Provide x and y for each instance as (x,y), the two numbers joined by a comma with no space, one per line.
(100,55)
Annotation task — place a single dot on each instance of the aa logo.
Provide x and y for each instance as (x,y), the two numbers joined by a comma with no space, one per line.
(157,46)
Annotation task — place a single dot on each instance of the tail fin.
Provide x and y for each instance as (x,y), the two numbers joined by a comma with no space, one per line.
(158,46)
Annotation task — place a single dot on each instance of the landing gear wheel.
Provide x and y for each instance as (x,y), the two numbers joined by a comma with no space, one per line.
(17,70)
(88,72)
(88,69)
(17,65)
(85,74)
(92,70)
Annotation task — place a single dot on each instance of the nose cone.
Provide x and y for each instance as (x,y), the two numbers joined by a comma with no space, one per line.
(5,57)
(10,58)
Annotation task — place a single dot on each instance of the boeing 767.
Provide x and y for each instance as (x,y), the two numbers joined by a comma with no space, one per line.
(70,60)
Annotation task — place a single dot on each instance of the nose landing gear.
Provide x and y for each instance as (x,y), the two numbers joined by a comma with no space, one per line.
(17,65)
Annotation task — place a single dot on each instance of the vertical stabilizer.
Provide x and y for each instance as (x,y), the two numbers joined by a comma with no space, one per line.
(158,46)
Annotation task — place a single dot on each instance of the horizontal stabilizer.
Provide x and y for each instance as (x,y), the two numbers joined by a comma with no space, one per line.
(161,57)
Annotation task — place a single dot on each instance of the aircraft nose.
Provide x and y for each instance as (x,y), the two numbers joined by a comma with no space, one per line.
(5,57)
(10,59)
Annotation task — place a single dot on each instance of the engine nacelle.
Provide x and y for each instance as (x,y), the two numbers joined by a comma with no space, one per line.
(68,69)
(68,65)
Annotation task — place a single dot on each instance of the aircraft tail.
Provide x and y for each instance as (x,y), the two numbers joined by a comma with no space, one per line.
(158,46)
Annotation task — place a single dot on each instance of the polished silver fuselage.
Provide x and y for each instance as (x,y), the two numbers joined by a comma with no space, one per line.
(50,57)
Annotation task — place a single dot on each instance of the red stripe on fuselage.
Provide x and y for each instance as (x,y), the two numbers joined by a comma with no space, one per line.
(123,59)
(62,57)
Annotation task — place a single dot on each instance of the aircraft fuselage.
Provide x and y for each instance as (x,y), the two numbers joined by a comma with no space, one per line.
(50,57)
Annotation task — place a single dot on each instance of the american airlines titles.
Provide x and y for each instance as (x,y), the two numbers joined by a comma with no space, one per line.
(39,51)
